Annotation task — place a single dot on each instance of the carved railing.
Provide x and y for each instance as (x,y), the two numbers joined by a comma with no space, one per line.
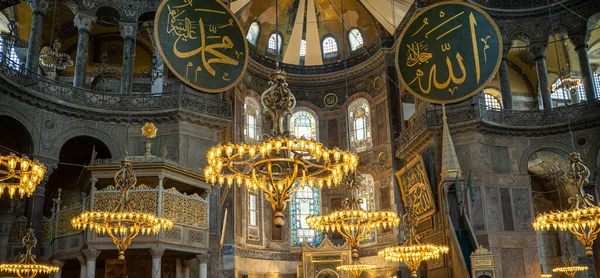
(418,126)
(179,98)
(147,160)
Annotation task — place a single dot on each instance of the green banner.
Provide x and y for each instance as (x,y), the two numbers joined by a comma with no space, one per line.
(202,43)
(448,52)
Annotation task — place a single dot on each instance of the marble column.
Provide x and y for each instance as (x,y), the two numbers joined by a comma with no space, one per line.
(186,268)
(156,261)
(203,264)
(84,23)
(129,33)
(39,9)
(539,53)
(35,210)
(91,255)
(60,264)
(587,76)
(504,80)
(82,267)
(158,68)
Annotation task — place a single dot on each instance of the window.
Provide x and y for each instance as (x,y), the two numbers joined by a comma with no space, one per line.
(330,48)
(367,196)
(11,54)
(356,40)
(274,44)
(303,48)
(305,202)
(252,120)
(558,94)
(303,124)
(491,99)
(360,121)
(1,45)
(252,35)
(253,229)
(581,88)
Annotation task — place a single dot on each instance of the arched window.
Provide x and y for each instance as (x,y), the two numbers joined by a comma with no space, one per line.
(303,124)
(492,101)
(355,38)
(303,48)
(252,35)
(253,215)
(252,120)
(330,48)
(274,44)
(305,202)
(360,125)
(367,196)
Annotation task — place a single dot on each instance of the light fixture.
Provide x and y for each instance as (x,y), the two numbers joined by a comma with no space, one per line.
(567,81)
(412,252)
(353,222)
(583,218)
(546,276)
(122,224)
(280,164)
(27,267)
(569,269)
(355,269)
(54,59)
(20,175)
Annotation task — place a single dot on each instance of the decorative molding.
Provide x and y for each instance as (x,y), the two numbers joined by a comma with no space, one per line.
(267,255)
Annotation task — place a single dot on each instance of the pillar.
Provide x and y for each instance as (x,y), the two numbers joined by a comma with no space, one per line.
(128,32)
(504,80)
(39,8)
(587,75)
(203,264)
(35,210)
(186,268)
(91,255)
(82,267)
(158,67)
(539,54)
(60,264)
(84,23)
(156,261)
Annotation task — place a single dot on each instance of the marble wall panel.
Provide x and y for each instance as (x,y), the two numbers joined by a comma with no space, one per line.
(476,216)
(513,263)
(493,209)
(522,210)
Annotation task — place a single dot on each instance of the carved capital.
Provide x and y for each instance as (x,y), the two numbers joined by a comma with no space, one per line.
(90,4)
(58,263)
(84,22)
(157,253)
(91,254)
(39,6)
(580,40)
(128,30)
(81,260)
(538,50)
(202,258)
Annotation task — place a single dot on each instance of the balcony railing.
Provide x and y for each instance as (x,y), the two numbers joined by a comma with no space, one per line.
(177,98)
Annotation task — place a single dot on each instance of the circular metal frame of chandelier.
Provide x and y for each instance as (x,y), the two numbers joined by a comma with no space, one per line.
(355,269)
(27,266)
(55,59)
(20,175)
(413,255)
(570,270)
(546,276)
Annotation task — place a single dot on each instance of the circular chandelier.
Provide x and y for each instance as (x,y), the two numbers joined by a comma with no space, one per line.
(20,175)
(27,267)
(355,269)
(353,222)
(280,164)
(583,218)
(122,224)
(569,269)
(546,276)
(412,252)
(54,59)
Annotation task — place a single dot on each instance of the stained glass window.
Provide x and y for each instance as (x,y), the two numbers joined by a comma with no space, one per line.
(252,35)
(253,229)
(252,120)
(356,40)
(303,124)
(360,121)
(367,196)
(330,48)
(305,202)
(274,44)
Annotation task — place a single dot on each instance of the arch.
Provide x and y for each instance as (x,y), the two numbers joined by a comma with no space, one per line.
(252,120)
(327,273)
(355,39)
(24,121)
(554,146)
(115,147)
(108,14)
(15,137)
(359,116)
(253,33)
(274,44)
(304,123)
(329,46)
(520,36)
(493,98)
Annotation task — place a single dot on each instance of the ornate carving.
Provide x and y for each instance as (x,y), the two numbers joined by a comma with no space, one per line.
(538,50)
(128,30)
(84,22)
(39,6)
(189,210)
(64,220)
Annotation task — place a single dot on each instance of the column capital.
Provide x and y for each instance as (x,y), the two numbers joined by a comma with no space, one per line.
(538,50)
(58,263)
(39,6)
(128,30)
(580,40)
(505,49)
(81,260)
(202,258)
(91,254)
(84,21)
(157,253)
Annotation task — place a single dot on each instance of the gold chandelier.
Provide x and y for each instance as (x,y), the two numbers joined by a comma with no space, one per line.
(583,218)
(54,59)
(353,222)
(355,269)
(280,164)
(412,252)
(546,276)
(20,175)
(123,224)
(27,267)
(569,269)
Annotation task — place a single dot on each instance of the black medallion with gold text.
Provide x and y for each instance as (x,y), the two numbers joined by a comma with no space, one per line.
(448,52)
(202,43)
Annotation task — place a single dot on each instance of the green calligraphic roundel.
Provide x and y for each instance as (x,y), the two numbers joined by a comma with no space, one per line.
(448,52)
(202,43)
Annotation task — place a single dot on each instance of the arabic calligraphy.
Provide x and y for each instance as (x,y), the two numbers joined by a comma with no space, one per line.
(414,184)
(453,49)
(202,43)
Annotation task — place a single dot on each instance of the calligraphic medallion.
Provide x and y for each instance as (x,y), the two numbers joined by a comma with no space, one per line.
(330,99)
(448,52)
(202,43)
(413,178)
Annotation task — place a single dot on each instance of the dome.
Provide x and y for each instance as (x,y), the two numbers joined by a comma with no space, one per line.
(311,33)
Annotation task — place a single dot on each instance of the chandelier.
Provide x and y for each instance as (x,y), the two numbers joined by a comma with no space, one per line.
(412,252)
(355,269)
(54,59)
(280,164)
(123,224)
(20,175)
(353,222)
(583,218)
(27,267)
(567,82)
(569,269)
(546,276)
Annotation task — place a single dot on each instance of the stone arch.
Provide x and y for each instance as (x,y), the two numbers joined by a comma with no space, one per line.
(115,147)
(106,8)
(560,148)
(25,121)
(311,106)
(520,36)
(16,137)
